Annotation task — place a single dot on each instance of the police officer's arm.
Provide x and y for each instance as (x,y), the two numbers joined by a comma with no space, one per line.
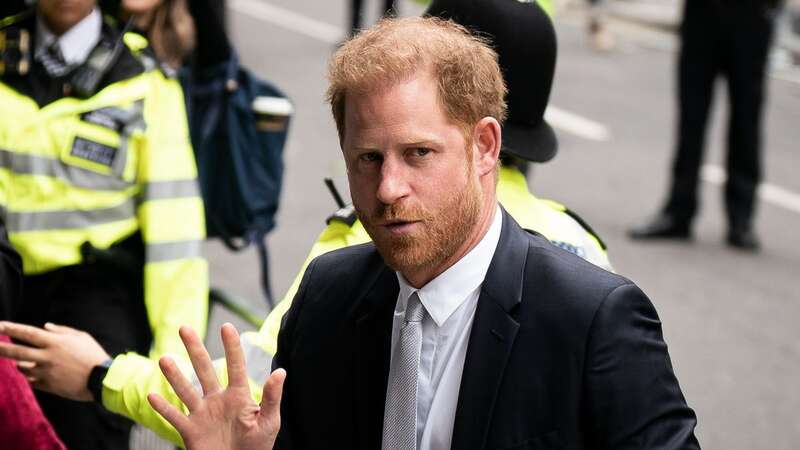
(132,377)
(172,220)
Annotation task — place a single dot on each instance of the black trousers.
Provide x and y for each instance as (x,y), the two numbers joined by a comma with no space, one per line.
(108,305)
(355,12)
(731,39)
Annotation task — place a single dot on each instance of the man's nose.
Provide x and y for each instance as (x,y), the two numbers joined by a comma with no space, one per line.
(393,183)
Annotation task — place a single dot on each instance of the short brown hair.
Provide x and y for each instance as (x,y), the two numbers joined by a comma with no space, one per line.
(467,72)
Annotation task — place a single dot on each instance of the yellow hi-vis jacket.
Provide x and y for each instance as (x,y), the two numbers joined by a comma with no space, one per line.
(131,377)
(101,169)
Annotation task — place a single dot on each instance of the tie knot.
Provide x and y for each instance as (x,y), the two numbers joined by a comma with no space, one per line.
(415,311)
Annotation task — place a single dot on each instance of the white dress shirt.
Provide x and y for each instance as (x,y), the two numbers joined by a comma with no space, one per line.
(450,301)
(77,42)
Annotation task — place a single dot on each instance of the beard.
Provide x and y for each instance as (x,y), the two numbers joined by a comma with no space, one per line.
(440,235)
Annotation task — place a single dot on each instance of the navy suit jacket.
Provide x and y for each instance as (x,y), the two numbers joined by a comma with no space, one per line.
(562,355)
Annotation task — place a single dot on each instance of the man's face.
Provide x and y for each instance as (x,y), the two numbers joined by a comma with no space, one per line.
(140,6)
(61,15)
(411,174)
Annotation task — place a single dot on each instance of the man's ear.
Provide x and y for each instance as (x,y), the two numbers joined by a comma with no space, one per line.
(486,143)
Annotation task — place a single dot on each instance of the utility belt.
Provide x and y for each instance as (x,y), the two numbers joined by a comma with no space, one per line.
(120,264)
(101,296)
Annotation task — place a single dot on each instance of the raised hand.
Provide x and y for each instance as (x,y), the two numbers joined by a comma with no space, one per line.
(57,359)
(221,419)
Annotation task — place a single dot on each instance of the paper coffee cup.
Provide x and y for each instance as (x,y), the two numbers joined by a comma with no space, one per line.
(272,113)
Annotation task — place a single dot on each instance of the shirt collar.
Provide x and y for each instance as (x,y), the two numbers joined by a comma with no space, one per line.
(77,42)
(444,294)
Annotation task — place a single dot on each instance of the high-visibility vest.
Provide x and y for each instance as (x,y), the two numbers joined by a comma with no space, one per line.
(131,377)
(101,169)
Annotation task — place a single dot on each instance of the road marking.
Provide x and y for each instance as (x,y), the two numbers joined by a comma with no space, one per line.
(769,193)
(289,20)
(577,125)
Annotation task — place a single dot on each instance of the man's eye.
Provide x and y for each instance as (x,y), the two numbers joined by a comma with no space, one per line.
(370,157)
(421,151)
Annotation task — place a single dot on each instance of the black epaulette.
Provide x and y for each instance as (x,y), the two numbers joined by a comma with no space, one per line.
(346,215)
(585,226)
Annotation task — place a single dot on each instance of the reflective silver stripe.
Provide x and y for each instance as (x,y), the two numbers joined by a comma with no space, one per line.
(158,190)
(258,362)
(169,251)
(27,164)
(134,121)
(68,219)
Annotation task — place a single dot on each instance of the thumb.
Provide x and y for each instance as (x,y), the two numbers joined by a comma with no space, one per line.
(271,397)
(60,329)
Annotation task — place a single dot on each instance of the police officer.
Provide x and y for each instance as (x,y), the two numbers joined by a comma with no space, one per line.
(98,191)
(729,38)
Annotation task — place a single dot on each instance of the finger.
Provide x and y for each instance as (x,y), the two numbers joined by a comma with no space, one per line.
(21,352)
(32,370)
(234,356)
(174,416)
(26,366)
(32,335)
(201,361)
(61,329)
(185,391)
(271,396)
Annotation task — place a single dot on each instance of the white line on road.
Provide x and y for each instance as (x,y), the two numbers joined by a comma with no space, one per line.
(770,193)
(289,20)
(577,125)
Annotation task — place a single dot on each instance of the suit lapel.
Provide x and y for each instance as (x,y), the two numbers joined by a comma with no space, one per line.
(373,325)
(491,339)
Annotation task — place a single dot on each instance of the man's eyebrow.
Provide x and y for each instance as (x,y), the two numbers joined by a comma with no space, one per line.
(419,143)
(423,143)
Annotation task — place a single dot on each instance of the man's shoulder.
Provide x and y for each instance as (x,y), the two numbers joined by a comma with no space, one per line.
(344,265)
(553,274)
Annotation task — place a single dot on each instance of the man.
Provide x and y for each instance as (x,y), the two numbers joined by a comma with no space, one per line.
(99,194)
(526,137)
(731,39)
(456,329)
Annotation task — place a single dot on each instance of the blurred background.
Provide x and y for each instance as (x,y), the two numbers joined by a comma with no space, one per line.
(730,317)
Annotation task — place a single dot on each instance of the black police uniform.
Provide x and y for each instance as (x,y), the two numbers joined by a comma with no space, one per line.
(732,38)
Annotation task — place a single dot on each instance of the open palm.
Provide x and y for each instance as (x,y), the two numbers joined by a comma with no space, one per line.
(221,419)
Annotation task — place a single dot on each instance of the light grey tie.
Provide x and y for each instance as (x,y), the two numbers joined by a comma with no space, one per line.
(400,413)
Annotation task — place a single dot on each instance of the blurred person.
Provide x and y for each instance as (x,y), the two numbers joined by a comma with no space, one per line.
(599,36)
(173,30)
(168,26)
(22,424)
(731,39)
(100,198)
(356,13)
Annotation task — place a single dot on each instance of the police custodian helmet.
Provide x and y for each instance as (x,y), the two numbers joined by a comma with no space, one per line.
(525,40)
